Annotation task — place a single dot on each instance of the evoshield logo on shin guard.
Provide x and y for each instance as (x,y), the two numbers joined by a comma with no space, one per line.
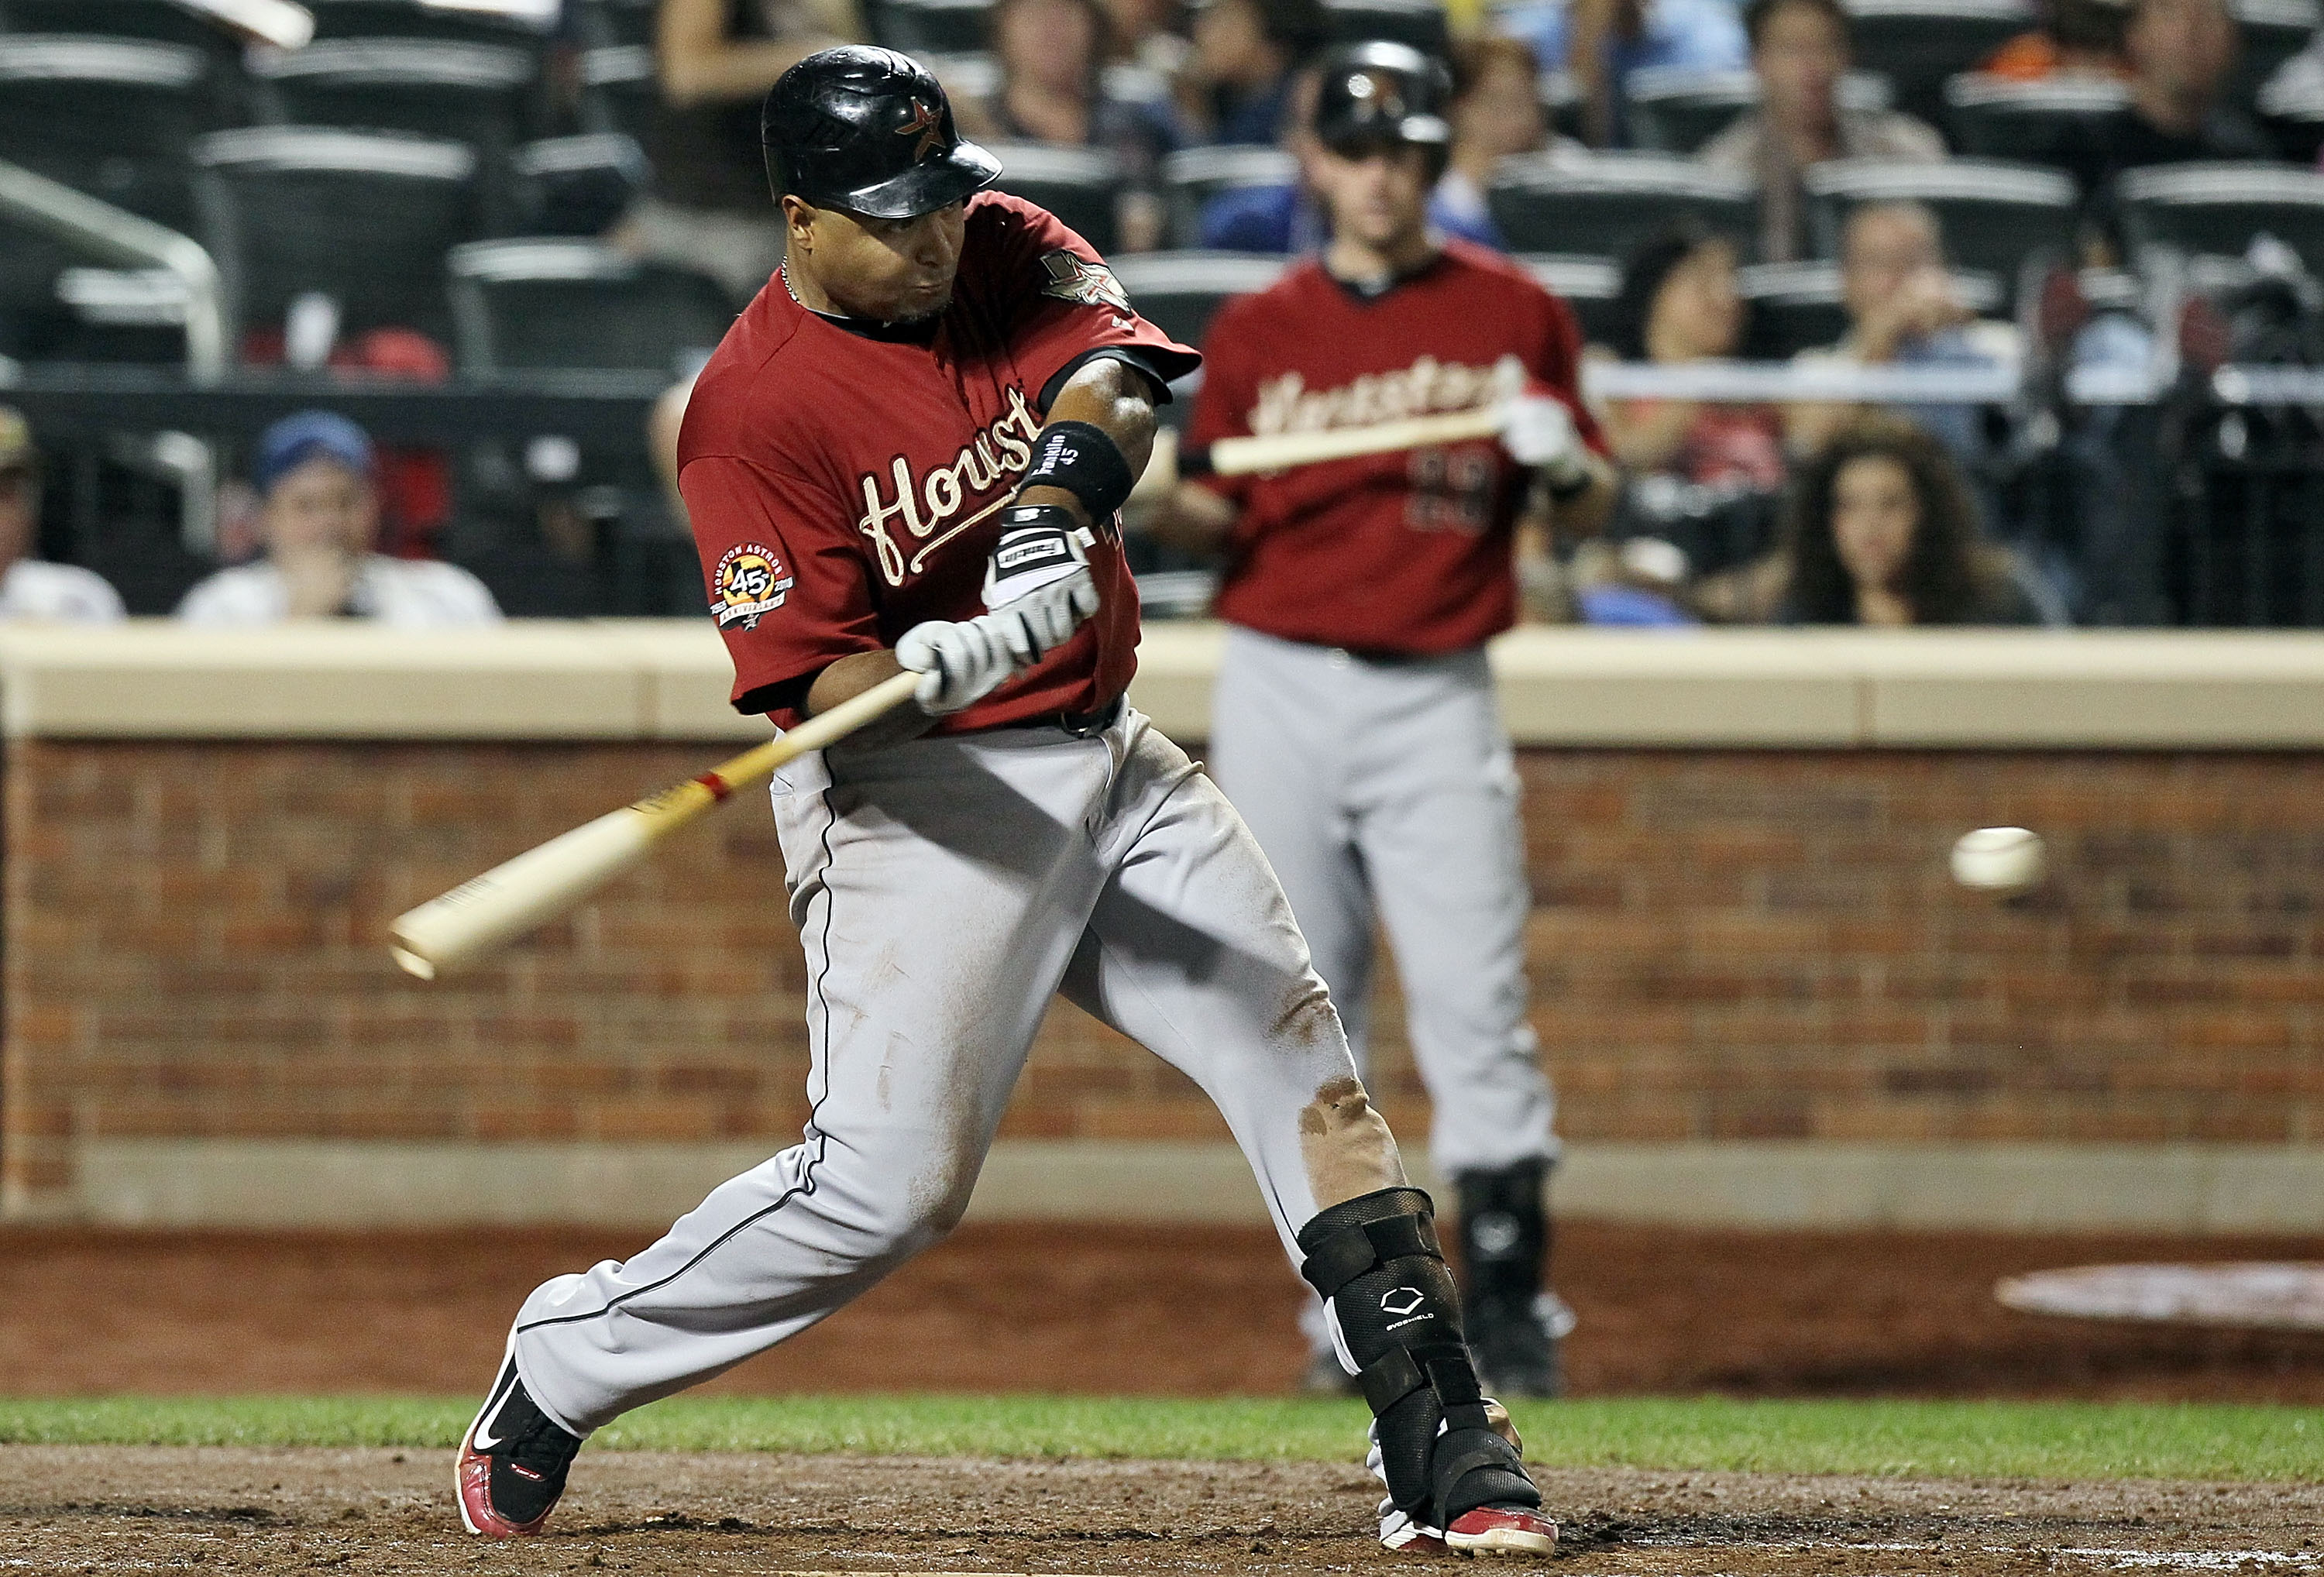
(1402,1301)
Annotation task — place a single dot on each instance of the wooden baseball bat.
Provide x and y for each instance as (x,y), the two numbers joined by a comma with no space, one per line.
(478,917)
(1282,451)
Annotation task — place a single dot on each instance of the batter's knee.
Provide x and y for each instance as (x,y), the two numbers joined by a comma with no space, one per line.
(1346,1144)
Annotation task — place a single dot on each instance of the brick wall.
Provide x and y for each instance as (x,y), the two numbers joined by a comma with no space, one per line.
(1725,945)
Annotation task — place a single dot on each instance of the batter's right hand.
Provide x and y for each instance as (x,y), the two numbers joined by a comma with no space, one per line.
(959,664)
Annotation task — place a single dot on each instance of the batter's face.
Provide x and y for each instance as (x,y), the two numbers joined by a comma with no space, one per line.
(887,270)
(1380,197)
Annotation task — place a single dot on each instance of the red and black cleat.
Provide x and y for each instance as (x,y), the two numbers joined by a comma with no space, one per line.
(512,1463)
(1501,1530)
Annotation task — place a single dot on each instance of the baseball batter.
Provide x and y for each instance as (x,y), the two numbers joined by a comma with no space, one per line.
(910,454)
(1353,724)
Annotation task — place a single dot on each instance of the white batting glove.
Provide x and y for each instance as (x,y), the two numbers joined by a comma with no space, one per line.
(959,664)
(1537,430)
(1039,590)
(1037,584)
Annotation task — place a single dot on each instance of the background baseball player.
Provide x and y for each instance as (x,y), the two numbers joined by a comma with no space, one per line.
(910,453)
(1354,725)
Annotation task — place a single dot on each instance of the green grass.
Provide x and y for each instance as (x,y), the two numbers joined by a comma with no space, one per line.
(2062,1440)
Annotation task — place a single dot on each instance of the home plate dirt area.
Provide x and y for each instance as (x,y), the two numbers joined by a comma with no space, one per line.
(149,1508)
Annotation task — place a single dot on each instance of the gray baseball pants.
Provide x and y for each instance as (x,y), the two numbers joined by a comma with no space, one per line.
(1387,789)
(943,891)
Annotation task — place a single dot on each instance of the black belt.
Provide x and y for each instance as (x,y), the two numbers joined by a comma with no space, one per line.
(1080,724)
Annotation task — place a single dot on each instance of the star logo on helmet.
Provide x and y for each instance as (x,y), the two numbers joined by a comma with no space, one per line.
(928,125)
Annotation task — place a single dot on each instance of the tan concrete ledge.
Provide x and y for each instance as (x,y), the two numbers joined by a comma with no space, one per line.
(2044,1188)
(1711,690)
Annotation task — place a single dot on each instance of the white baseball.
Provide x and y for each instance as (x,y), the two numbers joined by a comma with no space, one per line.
(1999,858)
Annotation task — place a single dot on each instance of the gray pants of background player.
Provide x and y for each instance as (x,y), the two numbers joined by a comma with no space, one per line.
(1385,789)
(943,891)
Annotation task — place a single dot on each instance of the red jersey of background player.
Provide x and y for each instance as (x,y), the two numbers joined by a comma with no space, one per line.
(1404,552)
(844,483)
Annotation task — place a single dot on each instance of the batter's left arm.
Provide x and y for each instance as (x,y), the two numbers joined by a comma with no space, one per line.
(1118,400)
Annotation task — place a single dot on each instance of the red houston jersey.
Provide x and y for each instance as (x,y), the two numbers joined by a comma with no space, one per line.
(1404,552)
(844,485)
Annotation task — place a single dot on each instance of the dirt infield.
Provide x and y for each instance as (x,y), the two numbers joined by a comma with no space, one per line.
(78,1510)
(1127,1310)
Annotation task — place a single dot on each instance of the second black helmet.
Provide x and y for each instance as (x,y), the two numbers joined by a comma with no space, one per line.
(1370,95)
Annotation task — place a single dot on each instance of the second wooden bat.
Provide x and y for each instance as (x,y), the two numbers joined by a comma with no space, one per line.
(1282,451)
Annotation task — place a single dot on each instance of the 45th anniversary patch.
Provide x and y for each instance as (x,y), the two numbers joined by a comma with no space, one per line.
(750,584)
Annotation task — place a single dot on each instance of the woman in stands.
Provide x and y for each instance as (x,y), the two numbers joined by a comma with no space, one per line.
(1881,531)
(1680,304)
(1052,89)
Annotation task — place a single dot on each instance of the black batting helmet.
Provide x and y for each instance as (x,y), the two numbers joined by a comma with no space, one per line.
(1370,95)
(870,131)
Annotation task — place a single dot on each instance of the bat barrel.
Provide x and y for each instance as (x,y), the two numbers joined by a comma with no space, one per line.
(478,917)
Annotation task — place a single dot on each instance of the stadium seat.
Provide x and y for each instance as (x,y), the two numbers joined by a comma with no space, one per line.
(2293,114)
(418,19)
(920,26)
(612,24)
(2221,208)
(577,186)
(620,88)
(482,94)
(972,74)
(124,315)
(1605,204)
(1917,44)
(1677,111)
(1079,185)
(111,116)
(477,93)
(364,217)
(562,303)
(2274,30)
(1996,216)
(1418,23)
(1562,104)
(2066,121)
(1590,285)
(1796,306)
(1191,179)
(1179,292)
(156,21)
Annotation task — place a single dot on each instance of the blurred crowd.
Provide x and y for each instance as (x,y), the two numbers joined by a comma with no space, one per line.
(1809,512)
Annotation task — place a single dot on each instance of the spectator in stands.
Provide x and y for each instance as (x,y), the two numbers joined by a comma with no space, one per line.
(1882,531)
(1903,311)
(1052,55)
(1601,42)
(1495,113)
(1284,218)
(1679,304)
(2182,58)
(319,519)
(717,58)
(1149,34)
(2077,38)
(1238,85)
(1799,53)
(30,588)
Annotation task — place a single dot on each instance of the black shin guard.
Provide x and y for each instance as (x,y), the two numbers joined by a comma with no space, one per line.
(1503,1235)
(1376,1260)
